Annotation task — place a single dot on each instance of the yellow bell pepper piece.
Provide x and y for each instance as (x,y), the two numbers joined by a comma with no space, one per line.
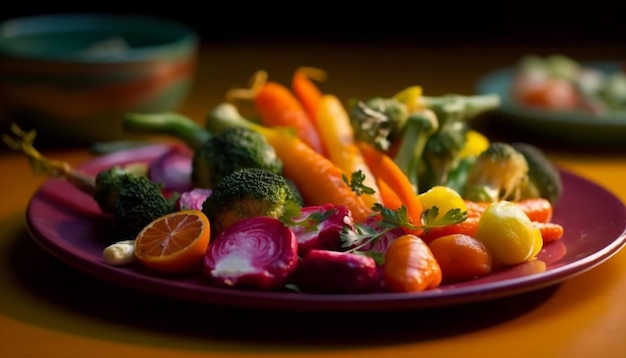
(476,143)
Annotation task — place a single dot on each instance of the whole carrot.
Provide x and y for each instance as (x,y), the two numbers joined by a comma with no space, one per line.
(386,170)
(319,180)
(410,266)
(306,90)
(537,209)
(277,106)
(337,135)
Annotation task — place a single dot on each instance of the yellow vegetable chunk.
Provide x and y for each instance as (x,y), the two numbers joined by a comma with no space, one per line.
(444,198)
(508,234)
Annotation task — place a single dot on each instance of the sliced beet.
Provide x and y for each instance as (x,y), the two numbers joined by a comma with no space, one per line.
(256,253)
(327,271)
(324,234)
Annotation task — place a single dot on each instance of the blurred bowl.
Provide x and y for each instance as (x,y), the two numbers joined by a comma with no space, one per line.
(71,77)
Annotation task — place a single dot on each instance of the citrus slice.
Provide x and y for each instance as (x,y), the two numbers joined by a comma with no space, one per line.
(175,242)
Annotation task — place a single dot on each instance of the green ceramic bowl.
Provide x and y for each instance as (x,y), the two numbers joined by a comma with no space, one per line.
(72,77)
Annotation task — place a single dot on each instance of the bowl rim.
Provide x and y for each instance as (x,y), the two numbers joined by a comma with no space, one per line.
(180,38)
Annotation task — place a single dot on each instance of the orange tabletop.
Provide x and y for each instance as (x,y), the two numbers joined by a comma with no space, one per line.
(48,309)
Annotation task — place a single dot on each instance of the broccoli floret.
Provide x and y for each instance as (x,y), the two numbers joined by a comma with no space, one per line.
(427,133)
(133,200)
(499,173)
(383,121)
(229,151)
(215,154)
(378,121)
(250,192)
(441,154)
(544,178)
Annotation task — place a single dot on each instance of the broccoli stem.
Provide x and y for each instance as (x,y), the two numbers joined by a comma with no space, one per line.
(467,106)
(23,141)
(173,124)
(225,116)
(441,155)
(418,128)
(458,175)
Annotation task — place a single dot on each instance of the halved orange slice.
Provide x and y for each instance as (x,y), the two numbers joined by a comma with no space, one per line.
(175,242)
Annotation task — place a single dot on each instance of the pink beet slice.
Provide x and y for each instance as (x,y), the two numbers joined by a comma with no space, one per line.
(325,234)
(256,253)
(326,271)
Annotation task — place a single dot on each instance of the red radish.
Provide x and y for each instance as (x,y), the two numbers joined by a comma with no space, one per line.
(173,169)
(323,225)
(256,253)
(326,271)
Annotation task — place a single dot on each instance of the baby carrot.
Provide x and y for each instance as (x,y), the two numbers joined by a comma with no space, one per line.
(337,135)
(410,266)
(318,179)
(467,227)
(277,106)
(537,209)
(461,257)
(549,231)
(385,169)
(306,90)
(389,198)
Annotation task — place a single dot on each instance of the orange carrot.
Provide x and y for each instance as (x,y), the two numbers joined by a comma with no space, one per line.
(410,266)
(337,135)
(318,179)
(306,90)
(277,106)
(467,227)
(537,209)
(549,231)
(461,257)
(385,169)
(389,198)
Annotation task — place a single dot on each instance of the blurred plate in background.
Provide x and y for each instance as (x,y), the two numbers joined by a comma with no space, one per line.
(571,127)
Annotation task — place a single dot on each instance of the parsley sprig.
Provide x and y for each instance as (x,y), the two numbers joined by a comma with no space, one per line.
(362,235)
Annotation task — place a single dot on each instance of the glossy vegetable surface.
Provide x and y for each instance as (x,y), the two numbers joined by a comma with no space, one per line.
(508,234)
(337,135)
(410,266)
(257,253)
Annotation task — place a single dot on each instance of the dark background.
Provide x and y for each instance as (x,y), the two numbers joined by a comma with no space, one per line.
(387,21)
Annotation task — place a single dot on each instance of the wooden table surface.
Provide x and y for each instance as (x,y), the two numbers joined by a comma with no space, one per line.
(48,309)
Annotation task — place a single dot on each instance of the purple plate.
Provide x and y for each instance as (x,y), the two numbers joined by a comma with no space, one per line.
(68,224)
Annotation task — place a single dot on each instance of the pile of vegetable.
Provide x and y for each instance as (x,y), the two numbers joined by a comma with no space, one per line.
(311,194)
(560,83)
